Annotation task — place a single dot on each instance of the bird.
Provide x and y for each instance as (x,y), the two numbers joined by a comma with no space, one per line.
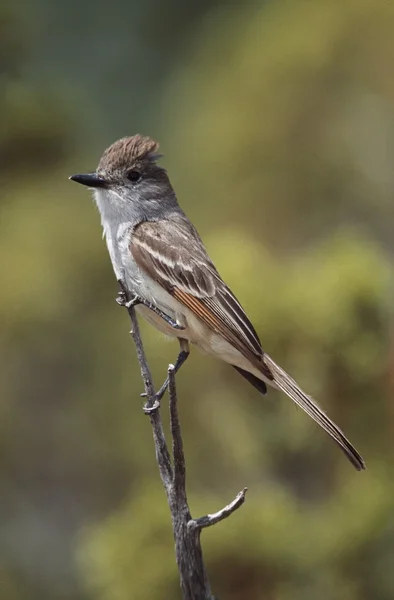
(159,258)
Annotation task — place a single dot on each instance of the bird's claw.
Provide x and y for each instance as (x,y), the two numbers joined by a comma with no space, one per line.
(149,410)
(121,299)
(156,399)
(134,301)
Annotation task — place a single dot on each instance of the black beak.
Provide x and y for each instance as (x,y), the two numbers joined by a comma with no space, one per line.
(90,179)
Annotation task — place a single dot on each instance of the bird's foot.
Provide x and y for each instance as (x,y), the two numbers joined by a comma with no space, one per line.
(121,299)
(157,399)
(149,410)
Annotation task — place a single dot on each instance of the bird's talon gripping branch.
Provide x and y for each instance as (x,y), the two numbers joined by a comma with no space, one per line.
(134,301)
(121,298)
(148,410)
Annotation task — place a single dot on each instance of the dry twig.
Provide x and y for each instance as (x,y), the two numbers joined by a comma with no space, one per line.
(193,575)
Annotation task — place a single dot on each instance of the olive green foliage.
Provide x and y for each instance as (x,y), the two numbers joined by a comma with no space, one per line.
(276,123)
(32,122)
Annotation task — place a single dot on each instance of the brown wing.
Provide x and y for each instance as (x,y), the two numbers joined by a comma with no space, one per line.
(172,253)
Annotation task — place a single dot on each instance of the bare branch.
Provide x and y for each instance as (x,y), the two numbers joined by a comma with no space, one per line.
(209,520)
(193,575)
(162,453)
(177,442)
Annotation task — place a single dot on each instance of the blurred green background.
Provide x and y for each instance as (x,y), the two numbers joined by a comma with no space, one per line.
(276,119)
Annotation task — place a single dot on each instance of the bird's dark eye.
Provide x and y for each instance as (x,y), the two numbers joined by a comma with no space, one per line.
(133,176)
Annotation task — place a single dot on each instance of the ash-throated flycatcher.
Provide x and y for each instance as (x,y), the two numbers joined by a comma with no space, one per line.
(158,256)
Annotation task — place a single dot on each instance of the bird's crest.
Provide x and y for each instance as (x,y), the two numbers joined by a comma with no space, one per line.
(128,151)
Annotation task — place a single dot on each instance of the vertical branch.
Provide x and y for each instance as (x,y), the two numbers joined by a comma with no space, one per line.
(162,453)
(192,571)
(177,442)
(193,574)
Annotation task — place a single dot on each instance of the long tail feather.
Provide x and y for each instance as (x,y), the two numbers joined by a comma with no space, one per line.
(285,383)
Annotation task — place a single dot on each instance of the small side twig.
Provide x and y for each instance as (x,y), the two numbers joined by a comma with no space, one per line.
(192,571)
(209,520)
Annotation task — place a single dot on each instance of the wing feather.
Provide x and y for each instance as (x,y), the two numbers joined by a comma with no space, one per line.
(172,253)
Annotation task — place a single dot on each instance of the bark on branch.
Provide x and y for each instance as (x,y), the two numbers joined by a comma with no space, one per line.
(192,571)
